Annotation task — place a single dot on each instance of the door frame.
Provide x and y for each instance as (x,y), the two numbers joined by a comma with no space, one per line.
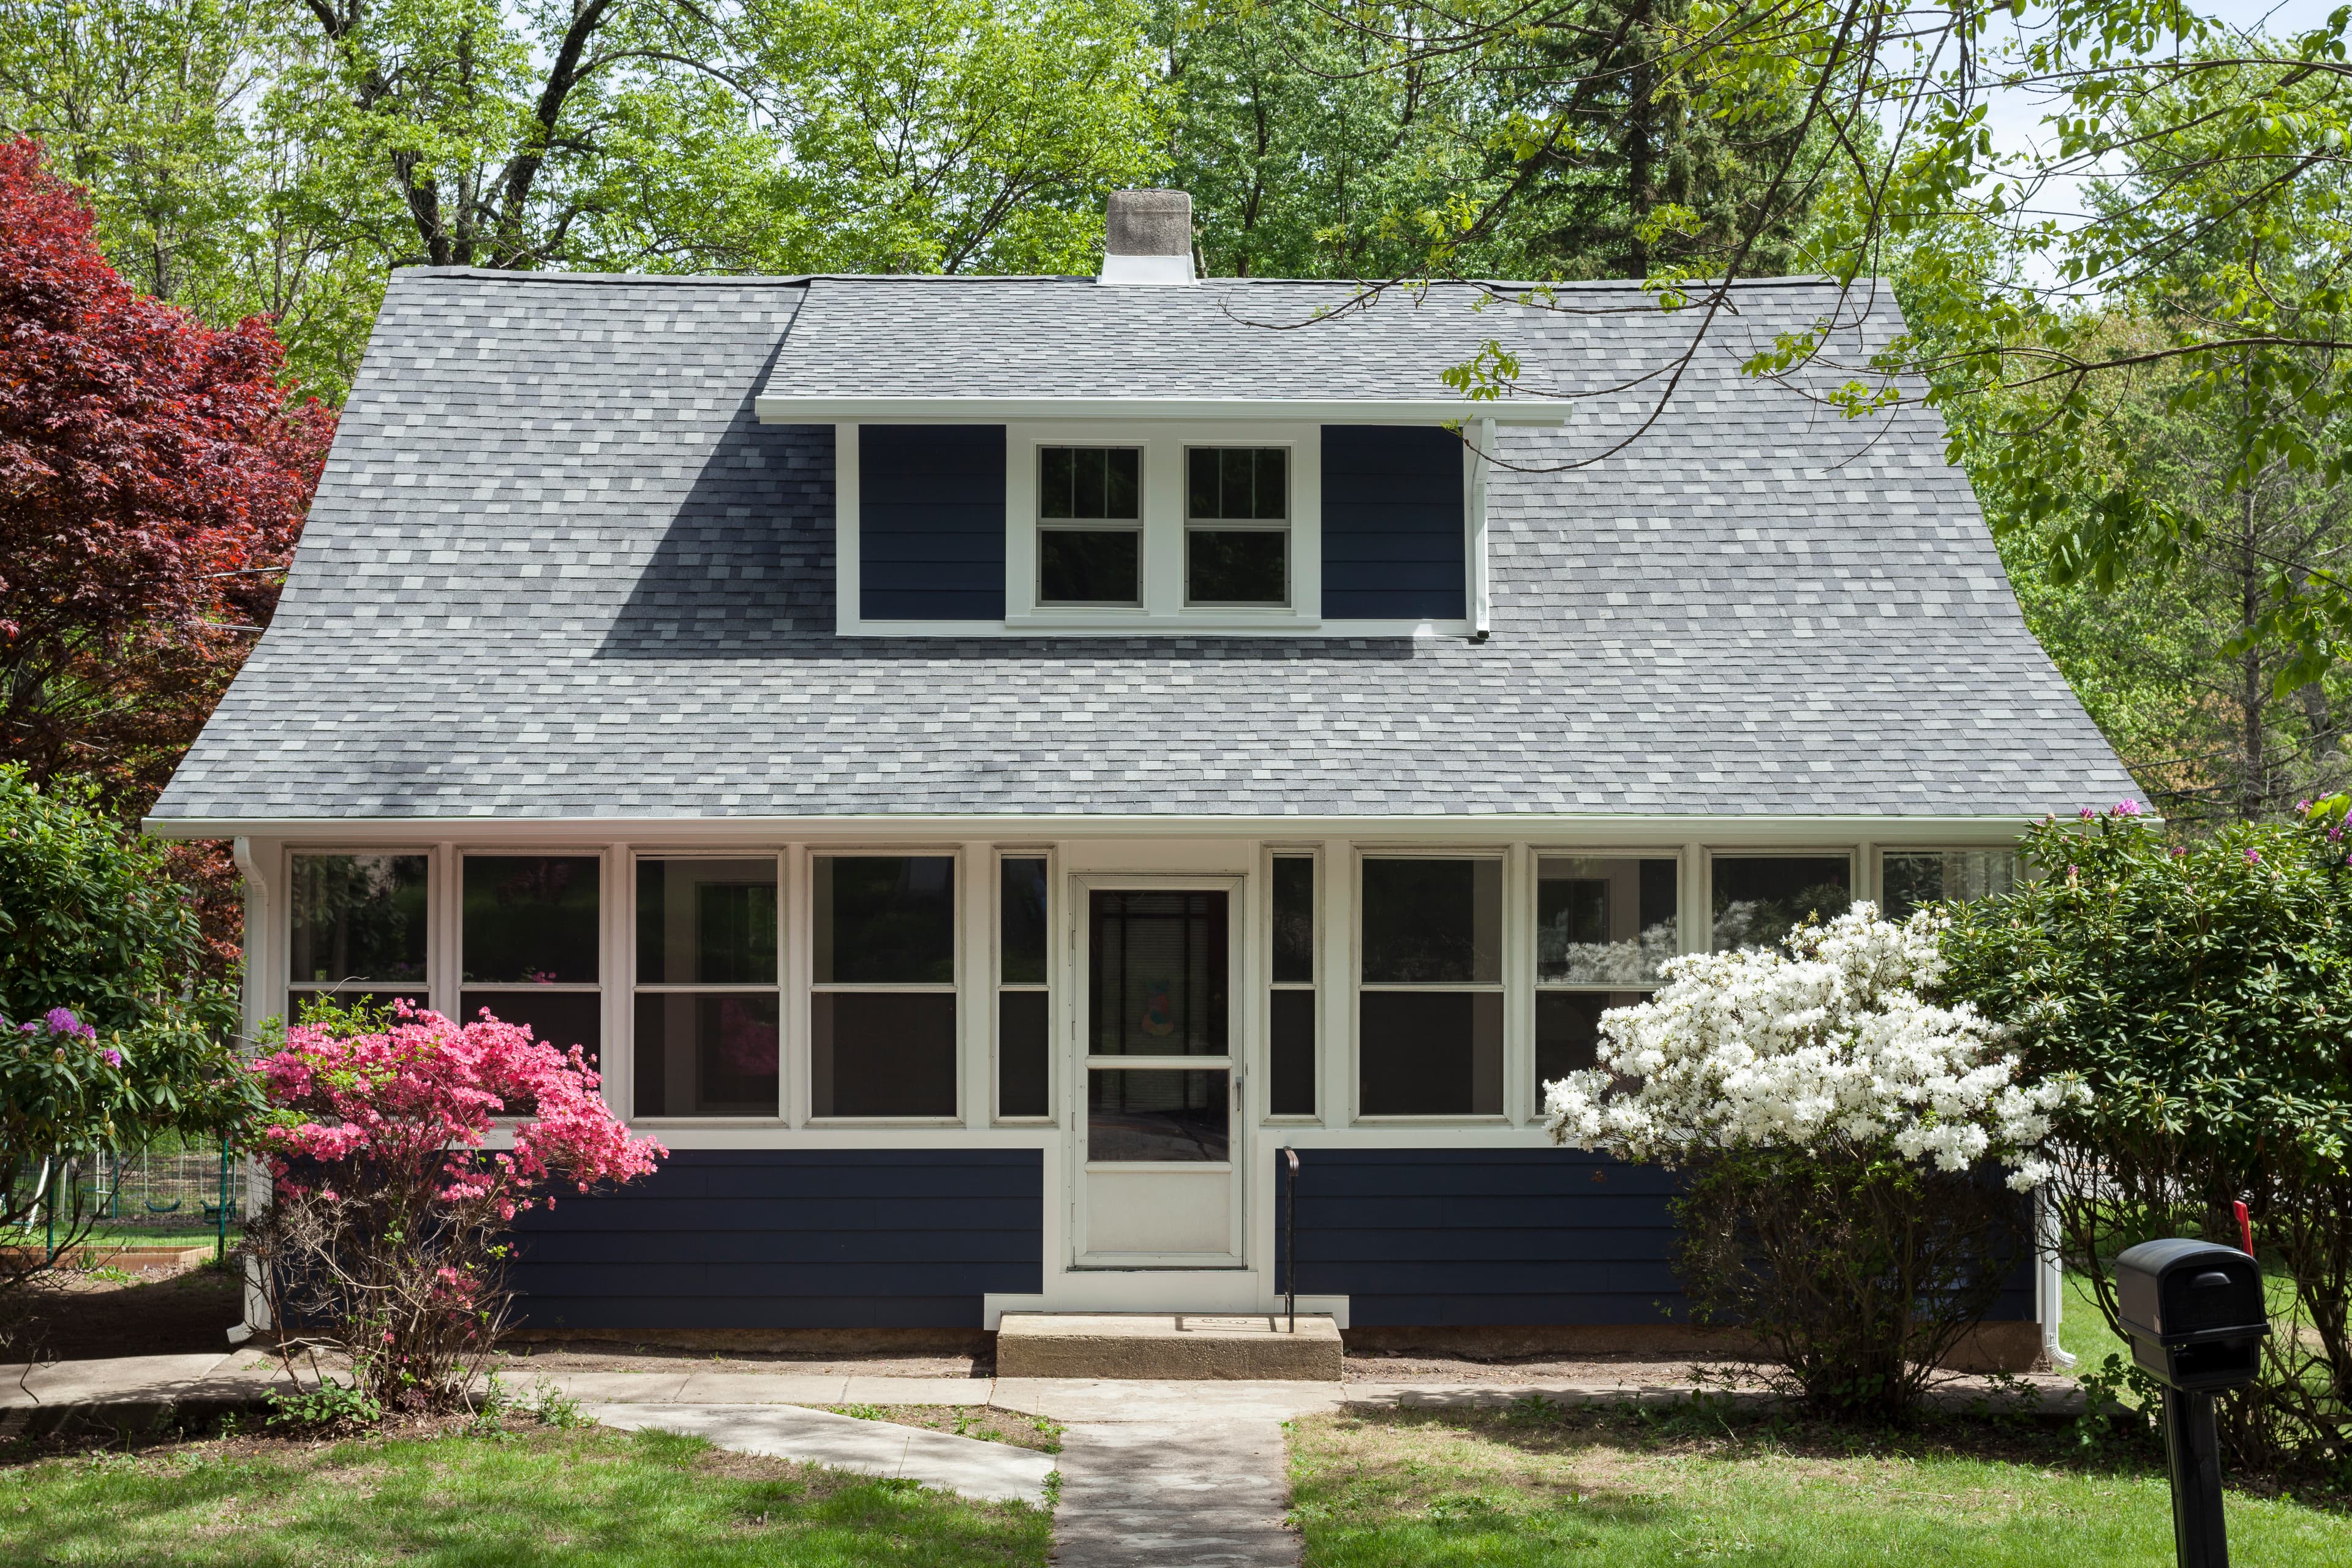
(1082,886)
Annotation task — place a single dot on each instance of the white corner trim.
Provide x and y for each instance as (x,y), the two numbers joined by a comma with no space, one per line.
(1474,515)
(778,409)
(846,586)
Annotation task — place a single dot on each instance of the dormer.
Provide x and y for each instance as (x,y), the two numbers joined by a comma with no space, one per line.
(1148,453)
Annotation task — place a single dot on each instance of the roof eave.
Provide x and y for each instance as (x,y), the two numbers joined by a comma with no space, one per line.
(780,409)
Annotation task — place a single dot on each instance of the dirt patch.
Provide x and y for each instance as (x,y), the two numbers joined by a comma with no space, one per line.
(1640,1370)
(78,1316)
(986,1423)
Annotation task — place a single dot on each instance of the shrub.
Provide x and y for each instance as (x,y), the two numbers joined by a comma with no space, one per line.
(1837,1129)
(2203,990)
(387,1226)
(110,1035)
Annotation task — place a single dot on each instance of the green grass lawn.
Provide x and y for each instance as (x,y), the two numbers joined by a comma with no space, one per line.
(1422,1488)
(539,1495)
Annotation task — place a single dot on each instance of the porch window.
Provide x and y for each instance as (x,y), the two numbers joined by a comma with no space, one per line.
(1602,927)
(1091,526)
(1023,1010)
(529,945)
(1430,998)
(1237,525)
(359,930)
(1291,1006)
(707,1010)
(1760,899)
(1912,878)
(883,1016)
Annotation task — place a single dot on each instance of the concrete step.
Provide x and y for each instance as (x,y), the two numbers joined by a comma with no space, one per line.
(1168,1345)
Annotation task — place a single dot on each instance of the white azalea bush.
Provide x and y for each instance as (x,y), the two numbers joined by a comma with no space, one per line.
(1854,1149)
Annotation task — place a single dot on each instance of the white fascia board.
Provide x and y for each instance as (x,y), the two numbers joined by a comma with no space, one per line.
(777,409)
(1595,829)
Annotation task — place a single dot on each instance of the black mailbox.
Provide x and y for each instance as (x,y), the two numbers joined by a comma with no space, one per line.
(2195,1312)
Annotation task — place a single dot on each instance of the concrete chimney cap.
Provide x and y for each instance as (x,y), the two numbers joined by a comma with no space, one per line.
(1148,223)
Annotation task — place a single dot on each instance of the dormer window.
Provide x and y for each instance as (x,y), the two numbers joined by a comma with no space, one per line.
(1237,526)
(1091,526)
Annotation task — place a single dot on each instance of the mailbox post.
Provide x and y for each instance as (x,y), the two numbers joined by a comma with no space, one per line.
(2197,1320)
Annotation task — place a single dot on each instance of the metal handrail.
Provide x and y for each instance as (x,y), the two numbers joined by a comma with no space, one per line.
(1290,1239)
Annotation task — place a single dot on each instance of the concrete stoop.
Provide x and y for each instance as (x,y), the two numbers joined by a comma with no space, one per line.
(1169,1346)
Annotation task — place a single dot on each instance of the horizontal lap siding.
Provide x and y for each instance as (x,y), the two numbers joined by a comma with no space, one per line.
(1419,1238)
(930,530)
(1392,533)
(774,1239)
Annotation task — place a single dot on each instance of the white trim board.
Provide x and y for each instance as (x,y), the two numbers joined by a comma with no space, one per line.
(832,409)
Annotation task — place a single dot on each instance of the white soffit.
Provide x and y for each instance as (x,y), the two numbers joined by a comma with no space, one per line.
(783,409)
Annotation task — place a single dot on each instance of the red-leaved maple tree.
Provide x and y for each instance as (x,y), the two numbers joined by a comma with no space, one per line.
(153,477)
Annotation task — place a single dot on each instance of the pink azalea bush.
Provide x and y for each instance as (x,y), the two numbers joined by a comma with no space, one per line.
(387,1228)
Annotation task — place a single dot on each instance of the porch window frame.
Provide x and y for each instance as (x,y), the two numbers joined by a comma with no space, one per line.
(802,1006)
(1262,1000)
(622,1077)
(1878,854)
(1532,956)
(438,969)
(1055,961)
(1504,856)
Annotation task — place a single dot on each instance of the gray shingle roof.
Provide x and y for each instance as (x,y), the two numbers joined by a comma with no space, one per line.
(557,569)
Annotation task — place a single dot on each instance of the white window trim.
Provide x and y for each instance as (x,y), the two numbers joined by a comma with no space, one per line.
(625,1092)
(1261,1018)
(1511,940)
(998,985)
(1857,857)
(280,948)
(1163,611)
(802,1006)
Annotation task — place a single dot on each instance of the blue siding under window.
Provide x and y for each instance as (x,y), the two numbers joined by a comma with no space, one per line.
(1392,546)
(1419,1238)
(930,523)
(780,1240)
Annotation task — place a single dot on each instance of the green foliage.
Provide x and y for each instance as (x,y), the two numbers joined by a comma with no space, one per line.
(1855,1275)
(2200,990)
(326,1405)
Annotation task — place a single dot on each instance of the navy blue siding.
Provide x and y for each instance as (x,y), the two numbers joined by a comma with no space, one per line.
(1393,545)
(786,1238)
(930,523)
(1418,1238)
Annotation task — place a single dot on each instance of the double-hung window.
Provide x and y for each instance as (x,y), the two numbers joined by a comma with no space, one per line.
(358,930)
(1091,526)
(1290,1007)
(1430,996)
(883,1011)
(1237,526)
(1023,998)
(1602,927)
(530,936)
(708,1012)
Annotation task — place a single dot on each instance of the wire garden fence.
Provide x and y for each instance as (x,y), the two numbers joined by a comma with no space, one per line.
(106,1200)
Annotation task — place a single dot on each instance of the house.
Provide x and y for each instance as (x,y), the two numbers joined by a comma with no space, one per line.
(989,762)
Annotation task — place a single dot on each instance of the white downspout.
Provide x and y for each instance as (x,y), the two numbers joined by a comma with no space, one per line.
(259,951)
(1481,433)
(2050,1275)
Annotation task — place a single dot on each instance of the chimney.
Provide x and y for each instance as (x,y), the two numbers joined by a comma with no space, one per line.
(1147,237)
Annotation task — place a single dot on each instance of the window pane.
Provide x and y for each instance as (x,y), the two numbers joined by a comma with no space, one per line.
(1084,566)
(1089,481)
(1021,937)
(1237,484)
(700,1055)
(1021,1077)
(707,922)
(1758,899)
(1917,880)
(1290,1090)
(1603,923)
(1134,1116)
(297,1002)
(1157,974)
(561,1018)
(1431,1053)
(1433,920)
(1229,568)
(531,918)
(879,1054)
(359,917)
(1567,1030)
(1294,920)
(885,920)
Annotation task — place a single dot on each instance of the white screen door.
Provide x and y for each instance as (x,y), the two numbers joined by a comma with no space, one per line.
(1159,1155)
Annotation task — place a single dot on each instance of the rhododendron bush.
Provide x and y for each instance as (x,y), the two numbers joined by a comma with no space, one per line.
(387,1231)
(1854,1150)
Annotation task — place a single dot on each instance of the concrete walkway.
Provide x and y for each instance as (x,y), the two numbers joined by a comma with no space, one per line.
(991,1471)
